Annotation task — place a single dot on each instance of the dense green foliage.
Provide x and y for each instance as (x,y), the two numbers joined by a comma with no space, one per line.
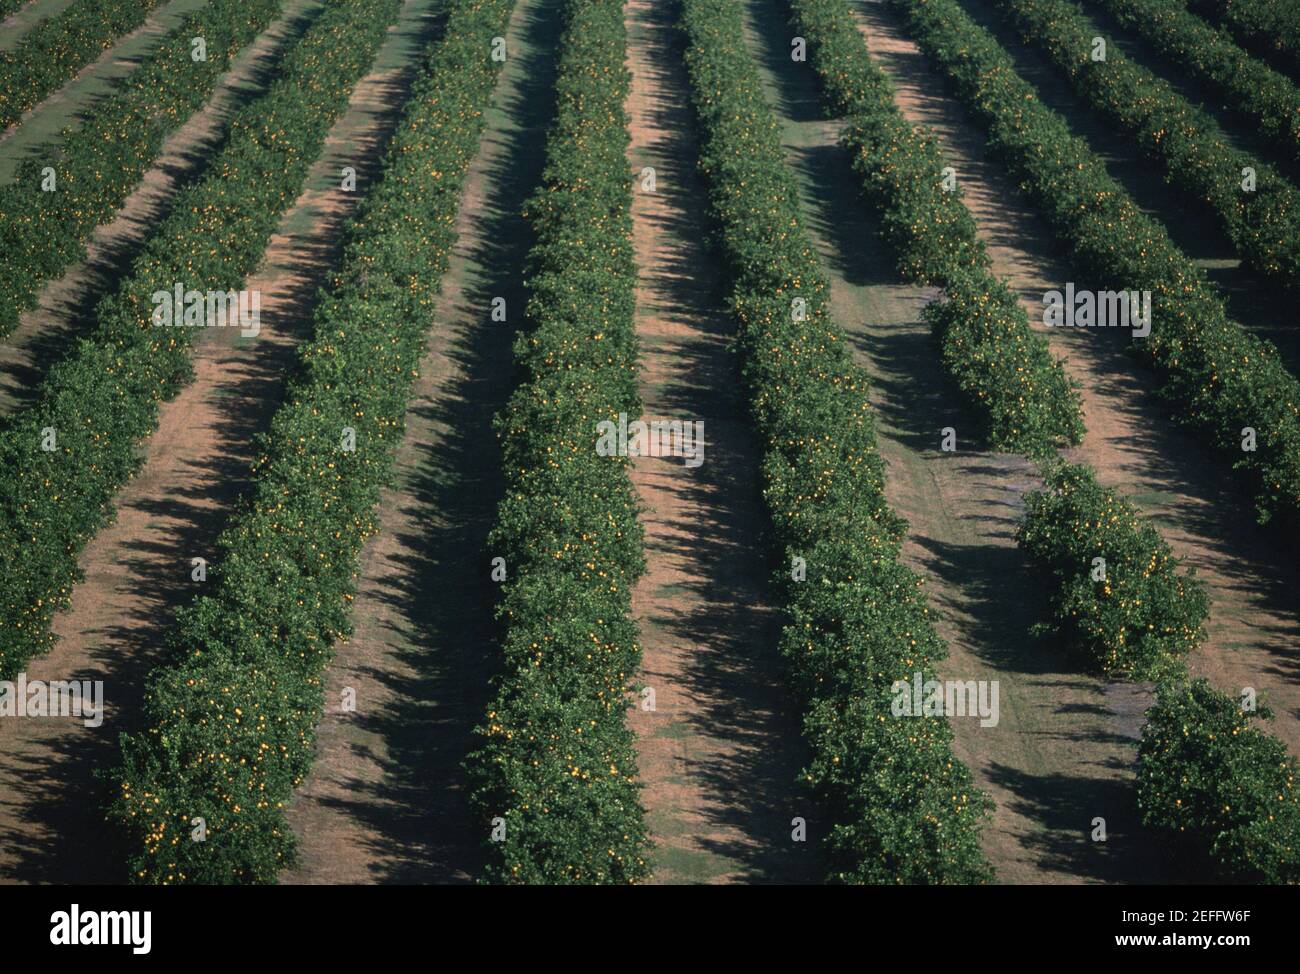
(1268,26)
(1133,616)
(1262,95)
(1263,225)
(1002,365)
(903,809)
(103,398)
(60,46)
(231,718)
(932,230)
(1148,598)
(1219,378)
(99,163)
(557,761)
(1220,787)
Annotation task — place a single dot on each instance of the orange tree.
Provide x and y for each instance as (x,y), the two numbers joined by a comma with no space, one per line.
(902,808)
(103,398)
(1003,367)
(1132,613)
(933,229)
(556,762)
(99,163)
(1221,789)
(58,47)
(1269,27)
(1219,378)
(230,718)
(1265,97)
(1263,225)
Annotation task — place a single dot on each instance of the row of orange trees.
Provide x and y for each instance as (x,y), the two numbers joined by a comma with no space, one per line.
(1266,97)
(97,165)
(230,719)
(903,808)
(1220,379)
(1127,614)
(1263,222)
(63,458)
(57,48)
(1116,594)
(1004,368)
(1267,26)
(1211,781)
(1222,790)
(1218,788)
(554,771)
(1208,778)
(1140,611)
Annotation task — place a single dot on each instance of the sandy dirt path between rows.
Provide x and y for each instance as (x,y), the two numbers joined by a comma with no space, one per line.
(385,801)
(720,751)
(138,570)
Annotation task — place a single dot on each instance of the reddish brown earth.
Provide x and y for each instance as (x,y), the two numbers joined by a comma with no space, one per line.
(720,751)
(137,571)
(385,801)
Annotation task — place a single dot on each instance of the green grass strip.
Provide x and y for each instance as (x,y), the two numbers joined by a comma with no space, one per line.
(63,459)
(99,163)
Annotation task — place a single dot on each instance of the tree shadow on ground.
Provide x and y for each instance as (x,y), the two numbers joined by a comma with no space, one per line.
(734,677)
(1068,806)
(441,624)
(67,795)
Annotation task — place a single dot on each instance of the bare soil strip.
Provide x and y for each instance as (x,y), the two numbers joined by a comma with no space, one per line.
(93,82)
(720,752)
(138,571)
(65,307)
(385,801)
